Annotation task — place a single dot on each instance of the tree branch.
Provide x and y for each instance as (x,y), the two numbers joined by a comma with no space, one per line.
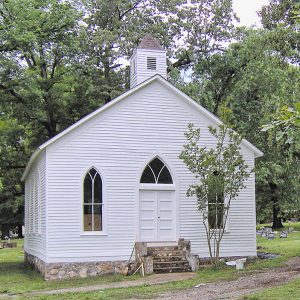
(12,92)
(135,5)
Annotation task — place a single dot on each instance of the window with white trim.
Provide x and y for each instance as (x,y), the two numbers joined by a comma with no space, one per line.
(31,205)
(27,207)
(216,207)
(92,201)
(35,203)
(39,206)
(156,172)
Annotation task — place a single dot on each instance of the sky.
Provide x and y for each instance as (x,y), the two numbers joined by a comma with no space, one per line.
(246,11)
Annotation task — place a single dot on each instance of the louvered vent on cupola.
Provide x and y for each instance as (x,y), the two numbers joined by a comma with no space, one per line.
(147,60)
(151,63)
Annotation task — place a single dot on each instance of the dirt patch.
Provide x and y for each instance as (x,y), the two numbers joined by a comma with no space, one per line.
(246,284)
(294,264)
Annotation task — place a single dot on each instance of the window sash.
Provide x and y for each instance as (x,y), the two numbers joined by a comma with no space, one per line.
(215,216)
(92,204)
(93,216)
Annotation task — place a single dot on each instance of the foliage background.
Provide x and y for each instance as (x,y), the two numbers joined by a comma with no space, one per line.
(60,60)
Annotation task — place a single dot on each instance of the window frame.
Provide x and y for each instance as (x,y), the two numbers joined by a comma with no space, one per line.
(39,203)
(31,206)
(208,214)
(156,177)
(227,225)
(225,202)
(95,232)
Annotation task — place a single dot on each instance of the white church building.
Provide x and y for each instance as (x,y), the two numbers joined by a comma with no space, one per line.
(114,179)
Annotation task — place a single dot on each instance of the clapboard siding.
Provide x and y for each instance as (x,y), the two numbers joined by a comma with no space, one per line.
(141,72)
(119,142)
(35,243)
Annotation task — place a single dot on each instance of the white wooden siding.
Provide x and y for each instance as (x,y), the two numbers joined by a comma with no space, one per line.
(150,122)
(141,72)
(35,209)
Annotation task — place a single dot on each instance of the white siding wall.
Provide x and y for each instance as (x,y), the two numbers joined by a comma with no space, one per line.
(141,73)
(35,209)
(119,143)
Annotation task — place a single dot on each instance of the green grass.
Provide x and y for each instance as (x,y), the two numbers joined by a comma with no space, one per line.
(290,290)
(205,276)
(16,278)
(287,248)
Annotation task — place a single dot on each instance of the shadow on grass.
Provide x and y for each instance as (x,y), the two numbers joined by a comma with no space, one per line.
(17,277)
(18,274)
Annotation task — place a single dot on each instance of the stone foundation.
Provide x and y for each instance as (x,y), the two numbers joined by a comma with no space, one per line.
(56,271)
(204,261)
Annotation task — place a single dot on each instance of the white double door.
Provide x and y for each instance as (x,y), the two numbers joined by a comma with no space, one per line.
(157,215)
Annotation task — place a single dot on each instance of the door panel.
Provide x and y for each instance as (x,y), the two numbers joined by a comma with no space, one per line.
(148,217)
(166,215)
(157,215)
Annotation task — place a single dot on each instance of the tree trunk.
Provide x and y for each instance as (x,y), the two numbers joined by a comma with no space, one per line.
(4,231)
(277,222)
(20,235)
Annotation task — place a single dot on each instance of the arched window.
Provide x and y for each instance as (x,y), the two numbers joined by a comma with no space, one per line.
(156,172)
(92,202)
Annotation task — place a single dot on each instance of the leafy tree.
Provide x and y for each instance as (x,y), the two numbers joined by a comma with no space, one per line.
(245,86)
(286,129)
(61,59)
(13,152)
(220,173)
(38,45)
(37,48)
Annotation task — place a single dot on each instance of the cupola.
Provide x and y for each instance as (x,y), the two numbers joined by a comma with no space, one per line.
(147,60)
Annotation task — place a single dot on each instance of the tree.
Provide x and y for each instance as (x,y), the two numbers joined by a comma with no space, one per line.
(285,128)
(37,48)
(220,173)
(245,86)
(13,152)
(61,59)
(281,19)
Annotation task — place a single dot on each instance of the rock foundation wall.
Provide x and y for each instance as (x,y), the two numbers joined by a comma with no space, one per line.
(56,271)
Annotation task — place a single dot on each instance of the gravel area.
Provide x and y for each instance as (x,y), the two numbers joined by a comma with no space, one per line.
(247,284)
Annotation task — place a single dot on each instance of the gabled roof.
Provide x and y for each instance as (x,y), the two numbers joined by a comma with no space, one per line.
(257,152)
(149,42)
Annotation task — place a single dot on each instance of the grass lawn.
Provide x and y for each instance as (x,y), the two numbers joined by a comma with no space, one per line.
(289,247)
(290,290)
(16,278)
